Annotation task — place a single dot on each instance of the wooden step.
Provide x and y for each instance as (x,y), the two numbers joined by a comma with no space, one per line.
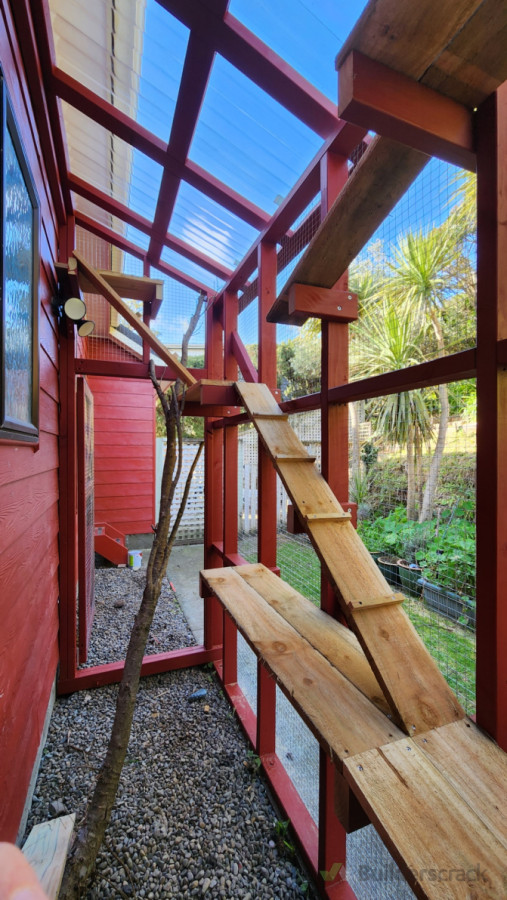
(46,849)
(315,687)
(333,640)
(440,833)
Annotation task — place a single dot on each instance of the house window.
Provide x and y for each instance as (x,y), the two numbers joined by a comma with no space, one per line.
(19,300)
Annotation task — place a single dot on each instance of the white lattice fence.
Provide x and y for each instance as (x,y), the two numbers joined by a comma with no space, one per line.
(191,529)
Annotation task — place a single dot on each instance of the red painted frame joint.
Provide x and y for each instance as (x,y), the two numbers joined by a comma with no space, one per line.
(395,106)
(331,304)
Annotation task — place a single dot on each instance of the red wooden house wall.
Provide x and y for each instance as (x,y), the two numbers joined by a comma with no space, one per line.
(28,510)
(124,453)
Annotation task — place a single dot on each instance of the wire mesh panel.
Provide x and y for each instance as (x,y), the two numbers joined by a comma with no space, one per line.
(247,672)
(415,491)
(371,871)
(298,750)
(416,278)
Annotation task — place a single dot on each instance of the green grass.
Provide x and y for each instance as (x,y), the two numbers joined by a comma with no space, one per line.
(299,566)
(451,646)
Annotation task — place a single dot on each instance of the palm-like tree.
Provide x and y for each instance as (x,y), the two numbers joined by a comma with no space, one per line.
(389,341)
(420,280)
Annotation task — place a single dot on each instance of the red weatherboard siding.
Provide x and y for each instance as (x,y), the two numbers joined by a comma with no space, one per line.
(28,514)
(124,453)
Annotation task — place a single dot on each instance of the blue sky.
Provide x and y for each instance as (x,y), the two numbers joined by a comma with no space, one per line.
(243,136)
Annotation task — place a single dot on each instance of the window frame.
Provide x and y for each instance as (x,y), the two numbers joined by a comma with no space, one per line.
(26,431)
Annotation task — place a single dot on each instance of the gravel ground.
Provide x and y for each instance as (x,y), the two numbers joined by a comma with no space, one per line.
(192,817)
(118,593)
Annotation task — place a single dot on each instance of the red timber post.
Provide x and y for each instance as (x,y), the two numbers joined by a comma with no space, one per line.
(266,503)
(335,466)
(492,415)
(213,478)
(68,482)
(230,509)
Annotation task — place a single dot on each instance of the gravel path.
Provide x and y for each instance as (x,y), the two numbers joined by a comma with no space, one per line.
(192,818)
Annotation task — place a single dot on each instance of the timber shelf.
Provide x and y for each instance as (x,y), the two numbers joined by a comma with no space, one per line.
(437,799)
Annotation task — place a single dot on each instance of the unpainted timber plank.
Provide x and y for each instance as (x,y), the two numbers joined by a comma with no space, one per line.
(259,400)
(280,439)
(476,768)
(381,177)
(442,847)
(101,287)
(339,715)
(407,38)
(46,849)
(307,488)
(336,642)
(474,64)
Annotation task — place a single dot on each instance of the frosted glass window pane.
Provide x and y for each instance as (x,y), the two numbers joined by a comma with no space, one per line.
(18,253)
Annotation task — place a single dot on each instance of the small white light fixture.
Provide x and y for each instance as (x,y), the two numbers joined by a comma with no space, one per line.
(85,328)
(75,310)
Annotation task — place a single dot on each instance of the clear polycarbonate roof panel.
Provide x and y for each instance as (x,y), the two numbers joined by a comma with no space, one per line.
(210,228)
(108,163)
(130,54)
(306,35)
(188,267)
(248,140)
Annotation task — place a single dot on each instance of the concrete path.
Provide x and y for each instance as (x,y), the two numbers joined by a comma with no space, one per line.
(183,571)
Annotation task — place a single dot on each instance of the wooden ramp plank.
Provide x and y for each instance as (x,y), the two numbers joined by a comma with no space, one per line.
(385,173)
(442,847)
(100,286)
(419,696)
(260,399)
(280,439)
(339,715)
(476,767)
(332,639)
(46,849)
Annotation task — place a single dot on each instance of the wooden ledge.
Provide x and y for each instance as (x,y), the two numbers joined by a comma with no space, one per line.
(375,602)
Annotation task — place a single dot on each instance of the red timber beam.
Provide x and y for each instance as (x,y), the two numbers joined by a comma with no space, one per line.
(213,477)
(115,208)
(491,416)
(108,235)
(334,467)
(107,115)
(247,368)
(51,145)
(257,61)
(194,81)
(230,506)
(398,107)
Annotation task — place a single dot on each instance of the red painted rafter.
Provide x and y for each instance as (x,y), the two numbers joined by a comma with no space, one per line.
(115,208)
(109,235)
(44,34)
(258,62)
(132,133)
(194,80)
(34,74)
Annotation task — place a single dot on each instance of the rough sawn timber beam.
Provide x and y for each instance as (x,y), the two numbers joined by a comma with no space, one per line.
(102,287)
(379,180)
